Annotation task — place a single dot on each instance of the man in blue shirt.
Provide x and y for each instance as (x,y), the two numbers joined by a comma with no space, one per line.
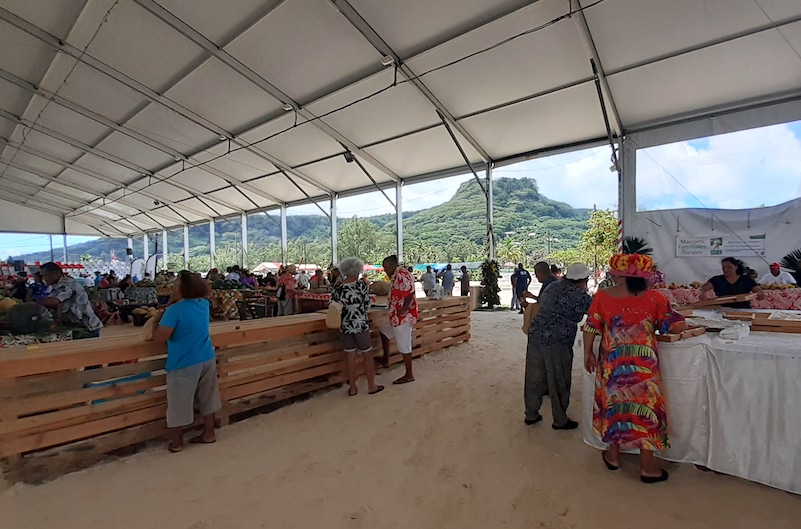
(447,280)
(521,279)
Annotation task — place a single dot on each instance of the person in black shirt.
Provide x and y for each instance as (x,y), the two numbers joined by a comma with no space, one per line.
(733,282)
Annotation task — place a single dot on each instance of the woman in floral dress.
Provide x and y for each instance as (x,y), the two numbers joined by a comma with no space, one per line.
(629,409)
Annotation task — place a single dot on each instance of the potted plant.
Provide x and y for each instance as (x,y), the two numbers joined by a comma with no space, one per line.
(792,262)
(489,282)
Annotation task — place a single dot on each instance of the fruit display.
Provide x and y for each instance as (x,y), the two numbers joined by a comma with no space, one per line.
(6,304)
(699,284)
(222,284)
(777,287)
(145,283)
(148,312)
(29,318)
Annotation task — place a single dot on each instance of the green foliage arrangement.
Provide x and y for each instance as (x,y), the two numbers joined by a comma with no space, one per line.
(489,281)
(636,245)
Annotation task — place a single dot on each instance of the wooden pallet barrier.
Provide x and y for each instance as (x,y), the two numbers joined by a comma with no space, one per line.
(66,405)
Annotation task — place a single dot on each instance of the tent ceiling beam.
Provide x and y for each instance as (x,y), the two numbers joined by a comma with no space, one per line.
(716,111)
(708,44)
(123,129)
(101,196)
(375,40)
(108,157)
(146,92)
(44,189)
(592,52)
(98,176)
(234,64)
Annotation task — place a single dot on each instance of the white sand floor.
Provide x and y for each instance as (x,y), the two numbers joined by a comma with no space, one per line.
(449,450)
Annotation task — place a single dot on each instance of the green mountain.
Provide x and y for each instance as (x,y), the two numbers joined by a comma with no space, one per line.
(453,231)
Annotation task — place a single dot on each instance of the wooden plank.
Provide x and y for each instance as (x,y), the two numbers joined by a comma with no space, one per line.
(72,380)
(72,416)
(272,396)
(276,382)
(270,371)
(67,399)
(40,466)
(80,431)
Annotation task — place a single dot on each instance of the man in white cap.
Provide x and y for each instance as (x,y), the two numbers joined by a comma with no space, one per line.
(549,354)
(777,277)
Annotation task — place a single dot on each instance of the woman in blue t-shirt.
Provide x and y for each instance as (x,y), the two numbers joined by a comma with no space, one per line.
(191,364)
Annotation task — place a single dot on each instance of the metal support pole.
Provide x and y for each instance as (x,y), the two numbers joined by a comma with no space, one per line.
(212,245)
(165,251)
(244,227)
(399,217)
(52,255)
(65,248)
(490,214)
(334,238)
(145,249)
(129,255)
(283,234)
(186,247)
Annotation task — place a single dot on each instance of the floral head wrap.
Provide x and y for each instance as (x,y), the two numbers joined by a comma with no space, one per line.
(631,265)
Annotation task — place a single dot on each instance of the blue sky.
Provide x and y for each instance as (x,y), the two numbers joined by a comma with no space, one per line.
(739,170)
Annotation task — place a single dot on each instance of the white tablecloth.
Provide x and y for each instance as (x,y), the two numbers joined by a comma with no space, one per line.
(734,407)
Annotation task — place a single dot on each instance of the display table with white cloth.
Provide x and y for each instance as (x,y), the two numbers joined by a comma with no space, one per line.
(733,406)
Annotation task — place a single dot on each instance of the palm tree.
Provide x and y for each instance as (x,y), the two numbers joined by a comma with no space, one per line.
(636,245)
(510,251)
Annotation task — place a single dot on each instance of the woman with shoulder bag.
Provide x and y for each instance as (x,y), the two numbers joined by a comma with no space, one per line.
(354,296)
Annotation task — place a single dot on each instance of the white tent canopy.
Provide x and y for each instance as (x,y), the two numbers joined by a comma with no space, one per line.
(107,107)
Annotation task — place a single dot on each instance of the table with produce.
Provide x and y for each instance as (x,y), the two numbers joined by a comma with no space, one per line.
(777,297)
(224,298)
(29,324)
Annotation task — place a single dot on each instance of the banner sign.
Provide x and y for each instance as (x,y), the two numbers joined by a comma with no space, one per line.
(721,246)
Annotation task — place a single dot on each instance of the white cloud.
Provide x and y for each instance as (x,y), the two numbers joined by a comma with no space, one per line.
(732,171)
(581,179)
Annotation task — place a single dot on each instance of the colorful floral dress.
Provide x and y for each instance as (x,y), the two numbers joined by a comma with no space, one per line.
(629,407)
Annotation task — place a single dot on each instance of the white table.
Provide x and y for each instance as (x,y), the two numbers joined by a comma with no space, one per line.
(734,407)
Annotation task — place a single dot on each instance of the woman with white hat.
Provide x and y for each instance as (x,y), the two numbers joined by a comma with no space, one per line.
(549,355)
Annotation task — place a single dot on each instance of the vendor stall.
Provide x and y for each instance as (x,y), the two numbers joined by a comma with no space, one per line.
(787,299)
(142,295)
(732,406)
(57,416)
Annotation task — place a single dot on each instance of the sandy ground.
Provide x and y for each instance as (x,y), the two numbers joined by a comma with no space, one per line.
(449,450)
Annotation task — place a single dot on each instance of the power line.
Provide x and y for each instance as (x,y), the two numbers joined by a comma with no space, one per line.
(646,153)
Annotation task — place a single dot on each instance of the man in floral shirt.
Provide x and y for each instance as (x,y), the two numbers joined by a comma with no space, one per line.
(402,315)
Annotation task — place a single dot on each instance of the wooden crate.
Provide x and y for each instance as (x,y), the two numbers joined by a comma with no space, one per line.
(57,411)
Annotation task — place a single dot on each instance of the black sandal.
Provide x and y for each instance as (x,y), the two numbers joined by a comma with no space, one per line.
(379,389)
(650,479)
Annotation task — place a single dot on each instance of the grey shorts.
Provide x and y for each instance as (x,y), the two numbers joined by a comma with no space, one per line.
(190,387)
(353,342)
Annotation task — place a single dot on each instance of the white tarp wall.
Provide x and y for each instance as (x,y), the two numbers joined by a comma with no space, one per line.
(780,223)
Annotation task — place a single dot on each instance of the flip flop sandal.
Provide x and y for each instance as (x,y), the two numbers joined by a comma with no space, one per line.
(379,389)
(650,479)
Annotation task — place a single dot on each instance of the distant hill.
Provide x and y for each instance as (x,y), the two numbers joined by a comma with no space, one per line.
(454,229)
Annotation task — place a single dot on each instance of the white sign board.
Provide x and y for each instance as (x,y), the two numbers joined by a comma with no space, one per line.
(721,246)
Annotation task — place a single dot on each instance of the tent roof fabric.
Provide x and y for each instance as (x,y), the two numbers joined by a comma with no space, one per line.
(124,116)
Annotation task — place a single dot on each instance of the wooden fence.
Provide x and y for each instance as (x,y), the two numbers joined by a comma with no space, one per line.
(66,405)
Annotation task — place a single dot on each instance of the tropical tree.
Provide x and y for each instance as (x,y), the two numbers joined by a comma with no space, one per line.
(510,250)
(600,240)
(363,239)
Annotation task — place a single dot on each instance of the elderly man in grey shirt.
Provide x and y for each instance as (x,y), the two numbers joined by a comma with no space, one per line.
(69,300)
